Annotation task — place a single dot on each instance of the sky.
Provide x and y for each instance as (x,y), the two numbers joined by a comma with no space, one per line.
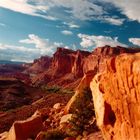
(33,28)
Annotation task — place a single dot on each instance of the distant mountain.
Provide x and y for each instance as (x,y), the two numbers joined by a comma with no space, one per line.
(11,67)
(10,62)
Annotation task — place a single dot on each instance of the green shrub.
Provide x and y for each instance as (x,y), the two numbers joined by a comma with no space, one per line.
(83,111)
(66,91)
(54,134)
(51,89)
(57,89)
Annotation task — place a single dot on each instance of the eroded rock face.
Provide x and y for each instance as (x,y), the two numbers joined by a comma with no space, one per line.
(39,65)
(116,95)
(96,60)
(96,63)
(66,67)
(68,61)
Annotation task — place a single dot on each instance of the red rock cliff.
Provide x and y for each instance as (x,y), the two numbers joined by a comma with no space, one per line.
(95,61)
(115,91)
(67,65)
(116,95)
(39,65)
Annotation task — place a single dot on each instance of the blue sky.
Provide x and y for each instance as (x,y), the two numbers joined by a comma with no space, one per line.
(31,28)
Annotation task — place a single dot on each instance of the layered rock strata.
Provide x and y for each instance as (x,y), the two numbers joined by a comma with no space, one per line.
(116,96)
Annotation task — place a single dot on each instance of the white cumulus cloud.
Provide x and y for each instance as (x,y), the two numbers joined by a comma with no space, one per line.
(43,45)
(114,21)
(98,41)
(27,53)
(23,6)
(130,8)
(135,41)
(71,25)
(75,9)
(20,53)
(81,9)
(66,32)
(87,10)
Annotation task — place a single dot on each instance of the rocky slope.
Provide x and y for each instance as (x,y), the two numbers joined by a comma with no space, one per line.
(14,93)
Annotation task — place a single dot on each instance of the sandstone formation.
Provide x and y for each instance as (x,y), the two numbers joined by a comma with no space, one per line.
(66,67)
(96,63)
(39,65)
(4,135)
(68,61)
(112,74)
(116,97)
(22,130)
(113,103)
(22,113)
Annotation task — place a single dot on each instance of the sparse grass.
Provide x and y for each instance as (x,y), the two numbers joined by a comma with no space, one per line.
(66,91)
(51,89)
(57,89)
(54,134)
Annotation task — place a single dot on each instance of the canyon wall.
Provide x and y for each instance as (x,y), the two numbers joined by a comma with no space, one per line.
(66,67)
(113,77)
(116,96)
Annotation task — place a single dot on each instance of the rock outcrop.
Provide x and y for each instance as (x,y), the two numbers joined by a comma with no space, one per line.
(66,67)
(96,63)
(68,61)
(85,82)
(115,91)
(23,130)
(39,65)
(116,97)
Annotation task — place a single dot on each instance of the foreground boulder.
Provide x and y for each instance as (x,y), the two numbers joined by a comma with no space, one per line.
(22,130)
(116,95)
